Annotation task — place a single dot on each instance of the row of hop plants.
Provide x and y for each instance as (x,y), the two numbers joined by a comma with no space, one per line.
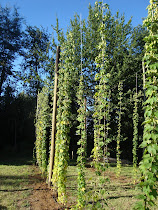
(101,117)
(81,131)
(63,129)
(101,140)
(42,125)
(149,164)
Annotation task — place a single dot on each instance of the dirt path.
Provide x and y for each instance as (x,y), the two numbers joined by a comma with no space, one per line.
(42,198)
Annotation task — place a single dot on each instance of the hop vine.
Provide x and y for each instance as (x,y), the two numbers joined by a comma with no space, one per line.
(135,134)
(67,75)
(62,135)
(101,108)
(149,164)
(119,112)
(42,124)
(82,145)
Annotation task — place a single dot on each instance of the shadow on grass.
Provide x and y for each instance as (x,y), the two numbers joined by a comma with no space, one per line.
(25,189)
(114,188)
(72,163)
(16,180)
(16,190)
(15,177)
(12,181)
(121,196)
(3,207)
(113,197)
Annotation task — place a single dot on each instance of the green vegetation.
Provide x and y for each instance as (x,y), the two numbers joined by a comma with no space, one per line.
(16,185)
(119,112)
(109,103)
(15,182)
(98,106)
(135,134)
(121,192)
(42,129)
(82,145)
(149,163)
(82,142)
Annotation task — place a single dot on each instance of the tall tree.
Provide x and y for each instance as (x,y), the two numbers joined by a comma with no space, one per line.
(36,58)
(10,41)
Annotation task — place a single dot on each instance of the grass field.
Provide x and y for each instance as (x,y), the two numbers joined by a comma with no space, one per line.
(14,180)
(109,191)
(112,193)
(14,186)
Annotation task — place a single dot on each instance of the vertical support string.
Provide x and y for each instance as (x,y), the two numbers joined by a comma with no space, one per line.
(81,40)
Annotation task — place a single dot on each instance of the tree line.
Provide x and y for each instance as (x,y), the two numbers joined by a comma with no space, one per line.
(25,65)
(35,49)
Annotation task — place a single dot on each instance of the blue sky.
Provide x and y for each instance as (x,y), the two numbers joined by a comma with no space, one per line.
(43,12)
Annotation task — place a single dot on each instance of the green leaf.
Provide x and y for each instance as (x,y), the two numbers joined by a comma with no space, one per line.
(152,149)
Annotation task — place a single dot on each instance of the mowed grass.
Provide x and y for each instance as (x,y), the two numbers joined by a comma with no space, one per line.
(110,191)
(14,182)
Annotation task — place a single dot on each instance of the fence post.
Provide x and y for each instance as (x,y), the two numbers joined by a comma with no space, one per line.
(52,151)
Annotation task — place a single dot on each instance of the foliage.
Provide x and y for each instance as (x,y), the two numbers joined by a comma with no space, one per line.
(112,53)
(10,42)
(17,113)
(42,124)
(135,133)
(119,112)
(36,58)
(101,95)
(82,145)
(149,164)
(101,115)
(82,133)
(63,119)
(107,57)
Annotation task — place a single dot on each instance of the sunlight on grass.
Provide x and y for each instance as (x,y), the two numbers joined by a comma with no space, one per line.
(14,186)
(120,192)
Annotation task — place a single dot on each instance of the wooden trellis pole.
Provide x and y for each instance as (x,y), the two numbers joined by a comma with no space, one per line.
(52,152)
(143,67)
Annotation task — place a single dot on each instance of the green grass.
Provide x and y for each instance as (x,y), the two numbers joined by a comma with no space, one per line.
(14,181)
(14,189)
(120,193)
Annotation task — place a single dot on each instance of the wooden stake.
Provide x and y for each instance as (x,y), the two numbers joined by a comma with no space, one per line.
(52,152)
(85,125)
(143,79)
(136,84)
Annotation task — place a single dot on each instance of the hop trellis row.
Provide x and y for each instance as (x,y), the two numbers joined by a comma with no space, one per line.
(93,86)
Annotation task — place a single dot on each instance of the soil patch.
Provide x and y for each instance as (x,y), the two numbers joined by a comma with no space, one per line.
(42,197)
